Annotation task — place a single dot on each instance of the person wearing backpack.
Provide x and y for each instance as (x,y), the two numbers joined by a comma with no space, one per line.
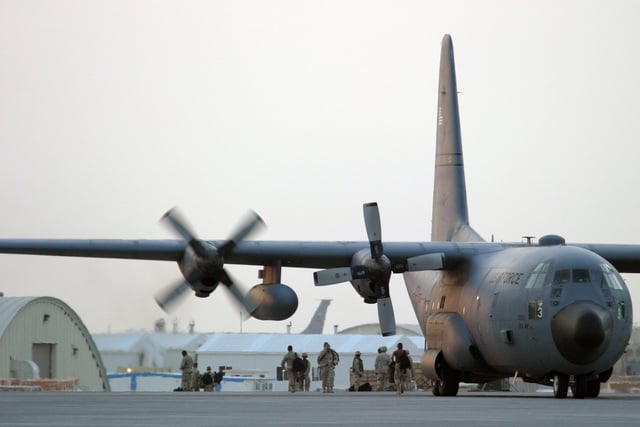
(207,380)
(287,364)
(409,377)
(402,364)
(328,359)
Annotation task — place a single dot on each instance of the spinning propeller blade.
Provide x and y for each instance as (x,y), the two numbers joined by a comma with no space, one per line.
(208,270)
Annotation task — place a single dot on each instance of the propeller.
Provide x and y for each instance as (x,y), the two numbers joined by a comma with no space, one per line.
(169,297)
(202,264)
(379,269)
(376,268)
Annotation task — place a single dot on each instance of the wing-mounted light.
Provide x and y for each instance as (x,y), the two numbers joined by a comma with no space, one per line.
(371,269)
(202,264)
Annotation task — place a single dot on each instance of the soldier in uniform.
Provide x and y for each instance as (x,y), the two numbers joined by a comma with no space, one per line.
(195,377)
(207,380)
(287,363)
(186,365)
(304,375)
(382,368)
(357,367)
(327,361)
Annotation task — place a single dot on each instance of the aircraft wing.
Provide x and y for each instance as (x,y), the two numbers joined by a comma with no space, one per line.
(159,250)
(305,254)
(625,258)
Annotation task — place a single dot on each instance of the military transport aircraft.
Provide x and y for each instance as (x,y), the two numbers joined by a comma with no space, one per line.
(550,313)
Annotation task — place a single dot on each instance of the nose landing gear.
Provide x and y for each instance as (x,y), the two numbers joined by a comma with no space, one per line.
(581,386)
(560,386)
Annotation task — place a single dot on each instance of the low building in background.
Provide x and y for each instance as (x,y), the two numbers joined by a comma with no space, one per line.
(251,361)
(44,344)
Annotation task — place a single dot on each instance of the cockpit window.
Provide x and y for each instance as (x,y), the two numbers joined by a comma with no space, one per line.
(561,277)
(581,276)
(577,275)
(538,276)
(610,278)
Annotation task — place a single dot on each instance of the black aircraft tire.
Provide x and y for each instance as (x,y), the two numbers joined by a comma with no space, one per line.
(449,388)
(579,388)
(560,386)
(449,382)
(593,388)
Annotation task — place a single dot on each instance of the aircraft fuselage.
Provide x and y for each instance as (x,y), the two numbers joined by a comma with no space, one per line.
(532,311)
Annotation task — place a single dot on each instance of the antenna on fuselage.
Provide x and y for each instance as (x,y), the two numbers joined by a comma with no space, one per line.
(529,239)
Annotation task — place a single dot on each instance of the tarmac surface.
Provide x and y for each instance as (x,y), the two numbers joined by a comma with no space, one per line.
(341,408)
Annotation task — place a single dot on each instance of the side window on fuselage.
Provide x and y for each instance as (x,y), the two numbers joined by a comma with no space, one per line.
(610,278)
(538,277)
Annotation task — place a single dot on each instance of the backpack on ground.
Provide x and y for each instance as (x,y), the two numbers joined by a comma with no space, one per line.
(298,364)
(207,379)
(365,387)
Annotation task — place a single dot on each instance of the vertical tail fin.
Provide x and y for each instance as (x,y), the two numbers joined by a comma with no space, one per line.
(317,321)
(450,221)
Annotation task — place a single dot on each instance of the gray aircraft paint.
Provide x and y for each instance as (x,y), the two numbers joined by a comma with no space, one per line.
(481,304)
(450,212)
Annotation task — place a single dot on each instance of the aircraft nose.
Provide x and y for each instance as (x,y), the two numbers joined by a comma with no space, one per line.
(582,331)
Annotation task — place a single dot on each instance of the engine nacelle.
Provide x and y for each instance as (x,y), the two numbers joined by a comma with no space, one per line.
(374,269)
(202,274)
(273,301)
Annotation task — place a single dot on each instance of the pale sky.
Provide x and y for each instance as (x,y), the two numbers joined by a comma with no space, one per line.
(112,112)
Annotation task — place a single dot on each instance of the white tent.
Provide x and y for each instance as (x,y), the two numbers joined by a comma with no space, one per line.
(249,355)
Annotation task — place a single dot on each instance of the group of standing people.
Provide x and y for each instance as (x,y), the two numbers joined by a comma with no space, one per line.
(298,369)
(398,366)
(193,380)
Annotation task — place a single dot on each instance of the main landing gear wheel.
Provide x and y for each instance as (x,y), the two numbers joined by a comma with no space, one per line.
(448,387)
(449,383)
(579,388)
(560,386)
(593,388)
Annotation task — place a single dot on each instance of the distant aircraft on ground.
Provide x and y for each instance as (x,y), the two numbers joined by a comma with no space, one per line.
(316,325)
(550,313)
